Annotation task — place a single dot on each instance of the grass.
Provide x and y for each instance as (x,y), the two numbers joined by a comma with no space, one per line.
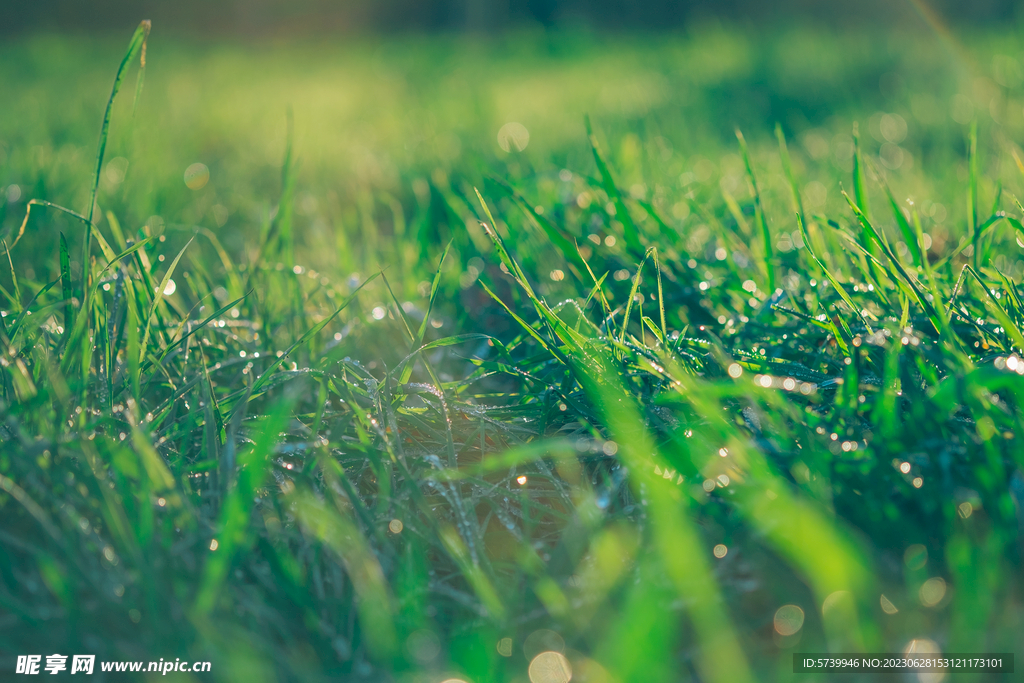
(673,410)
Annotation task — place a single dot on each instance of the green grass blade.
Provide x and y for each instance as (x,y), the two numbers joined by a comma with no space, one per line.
(374,602)
(16,298)
(158,296)
(1011,328)
(135,46)
(565,246)
(908,233)
(50,205)
(67,290)
(972,190)
(872,234)
(860,192)
(632,295)
(787,169)
(234,532)
(630,232)
(676,539)
(422,331)
(759,215)
(840,290)
(661,296)
(503,254)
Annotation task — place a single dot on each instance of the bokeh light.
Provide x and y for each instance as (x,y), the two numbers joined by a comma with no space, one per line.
(550,667)
(197,176)
(789,619)
(837,603)
(932,591)
(513,137)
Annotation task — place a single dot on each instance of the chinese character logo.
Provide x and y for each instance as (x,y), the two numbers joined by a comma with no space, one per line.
(28,664)
(82,664)
(55,663)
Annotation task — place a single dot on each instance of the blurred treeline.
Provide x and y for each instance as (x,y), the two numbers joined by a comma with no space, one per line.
(283,17)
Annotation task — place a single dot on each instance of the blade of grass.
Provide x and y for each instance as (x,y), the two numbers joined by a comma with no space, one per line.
(506,259)
(972,189)
(632,294)
(630,233)
(759,215)
(50,205)
(135,45)
(564,245)
(1011,329)
(860,192)
(422,331)
(67,290)
(872,234)
(158,296)
(234,532)
(840,290)
(787,169)
(904,226)
(16,299)
(374,602)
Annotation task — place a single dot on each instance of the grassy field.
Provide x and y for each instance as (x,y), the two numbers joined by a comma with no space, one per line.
(343,377)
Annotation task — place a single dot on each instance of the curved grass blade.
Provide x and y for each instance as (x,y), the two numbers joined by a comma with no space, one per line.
(441,343)
(50,205)
(27,309)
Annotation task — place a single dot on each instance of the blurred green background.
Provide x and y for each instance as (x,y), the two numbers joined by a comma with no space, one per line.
(390,113)
(253,17)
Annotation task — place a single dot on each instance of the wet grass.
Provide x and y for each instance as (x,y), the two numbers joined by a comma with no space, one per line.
(673,416)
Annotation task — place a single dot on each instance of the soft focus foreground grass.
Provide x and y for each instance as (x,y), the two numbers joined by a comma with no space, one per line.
(800,403)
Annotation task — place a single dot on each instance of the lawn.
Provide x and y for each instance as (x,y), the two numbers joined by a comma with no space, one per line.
(543,357)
